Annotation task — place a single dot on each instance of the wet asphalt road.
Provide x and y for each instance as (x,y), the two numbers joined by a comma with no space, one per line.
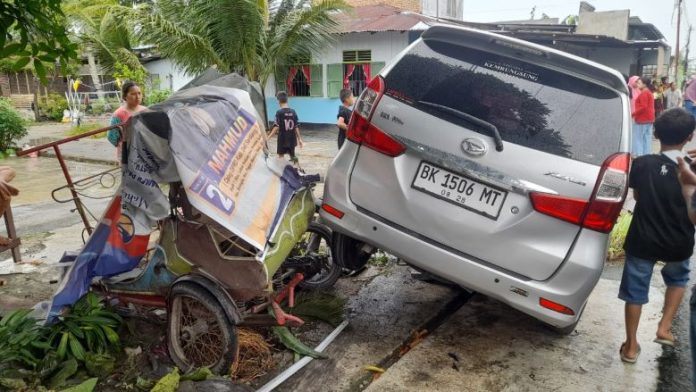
(675,363)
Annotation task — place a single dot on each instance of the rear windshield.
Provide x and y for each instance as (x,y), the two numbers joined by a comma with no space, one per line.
(530,105)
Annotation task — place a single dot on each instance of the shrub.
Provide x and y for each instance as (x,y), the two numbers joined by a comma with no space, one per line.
(98,107)
(84,128)
(157,96)
(53,106)
(12,126)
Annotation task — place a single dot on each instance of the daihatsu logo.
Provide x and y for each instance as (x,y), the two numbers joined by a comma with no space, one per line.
(474,147)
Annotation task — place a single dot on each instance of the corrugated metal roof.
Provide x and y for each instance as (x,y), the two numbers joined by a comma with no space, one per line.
(376,18)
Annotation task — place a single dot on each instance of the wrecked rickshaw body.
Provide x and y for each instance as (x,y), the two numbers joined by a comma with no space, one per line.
(205,225)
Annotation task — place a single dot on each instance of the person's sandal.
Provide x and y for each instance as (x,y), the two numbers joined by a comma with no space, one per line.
(626,359)
(664,342)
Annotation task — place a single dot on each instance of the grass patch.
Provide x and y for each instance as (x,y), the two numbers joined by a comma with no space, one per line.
(617,237)
(84,128)
(379,259)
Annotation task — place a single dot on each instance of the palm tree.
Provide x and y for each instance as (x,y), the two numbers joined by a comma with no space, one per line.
(237,35)
(103,33)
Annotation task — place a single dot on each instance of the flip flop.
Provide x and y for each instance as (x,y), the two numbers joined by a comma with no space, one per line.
(626,359)
(664,342)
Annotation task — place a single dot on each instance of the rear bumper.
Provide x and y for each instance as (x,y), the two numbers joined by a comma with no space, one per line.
(570,285)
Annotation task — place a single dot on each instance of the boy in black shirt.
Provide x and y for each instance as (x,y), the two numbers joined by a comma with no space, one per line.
(344,113)
(287,127)
(660,230)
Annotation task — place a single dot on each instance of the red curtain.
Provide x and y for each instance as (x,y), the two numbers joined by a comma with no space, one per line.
(346,77)
(307,74)
(291,76)
(368,72)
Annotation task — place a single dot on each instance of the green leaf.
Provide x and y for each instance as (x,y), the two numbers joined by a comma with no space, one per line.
(63,346)
(49,58)
(67,369)
(87,386)
(21,63)
(111,335)
(41,345)
(74,329)
(76,348)
(199,374)
(10,50)
(168,383)
(13,384)
(40,70)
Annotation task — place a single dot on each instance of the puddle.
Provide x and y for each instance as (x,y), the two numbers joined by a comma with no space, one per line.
(37,177)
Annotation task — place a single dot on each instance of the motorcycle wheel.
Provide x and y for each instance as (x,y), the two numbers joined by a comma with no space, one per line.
(317,240)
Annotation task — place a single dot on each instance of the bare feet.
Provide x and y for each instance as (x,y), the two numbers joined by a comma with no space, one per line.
(4,241)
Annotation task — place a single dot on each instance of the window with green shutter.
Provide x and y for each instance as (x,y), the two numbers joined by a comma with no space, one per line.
(334,80)
(316,88)
(377,67)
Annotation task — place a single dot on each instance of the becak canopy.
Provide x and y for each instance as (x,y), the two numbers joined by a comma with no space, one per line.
(212,139)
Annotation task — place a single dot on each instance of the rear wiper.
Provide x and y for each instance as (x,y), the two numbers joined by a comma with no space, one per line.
(471,119)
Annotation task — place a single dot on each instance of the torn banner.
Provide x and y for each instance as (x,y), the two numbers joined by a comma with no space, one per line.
(116,246)
(211,139)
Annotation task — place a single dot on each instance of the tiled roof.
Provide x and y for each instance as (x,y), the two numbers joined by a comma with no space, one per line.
(375,18)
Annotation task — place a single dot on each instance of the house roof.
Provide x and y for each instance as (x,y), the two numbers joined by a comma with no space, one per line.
(561,33)
(647,30)
(376,18)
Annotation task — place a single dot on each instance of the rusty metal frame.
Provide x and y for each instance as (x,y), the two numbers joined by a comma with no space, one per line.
(61,160)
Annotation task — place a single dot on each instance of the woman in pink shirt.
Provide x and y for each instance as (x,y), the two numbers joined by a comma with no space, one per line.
(635,91)
(132,97)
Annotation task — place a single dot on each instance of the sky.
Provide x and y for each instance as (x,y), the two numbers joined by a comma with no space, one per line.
(657,12)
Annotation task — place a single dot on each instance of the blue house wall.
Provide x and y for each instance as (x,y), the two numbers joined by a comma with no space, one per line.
(383,45)
(309,109)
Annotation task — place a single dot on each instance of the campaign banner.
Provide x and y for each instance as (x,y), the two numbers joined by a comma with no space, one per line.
(117,245)
(235,186)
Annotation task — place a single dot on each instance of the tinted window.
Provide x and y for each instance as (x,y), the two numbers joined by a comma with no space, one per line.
(530,105)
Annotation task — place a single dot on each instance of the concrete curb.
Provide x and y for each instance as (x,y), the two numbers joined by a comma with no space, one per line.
(76,158)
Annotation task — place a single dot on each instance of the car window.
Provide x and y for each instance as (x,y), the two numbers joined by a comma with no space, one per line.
(530,105)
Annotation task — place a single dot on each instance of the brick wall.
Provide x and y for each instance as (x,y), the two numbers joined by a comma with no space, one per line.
(406,5)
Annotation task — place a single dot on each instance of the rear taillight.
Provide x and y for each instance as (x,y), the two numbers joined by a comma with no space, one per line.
(362,131)
(603,208)
(556,307)
(332,210)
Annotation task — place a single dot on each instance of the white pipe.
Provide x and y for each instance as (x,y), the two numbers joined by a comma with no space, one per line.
(279,379)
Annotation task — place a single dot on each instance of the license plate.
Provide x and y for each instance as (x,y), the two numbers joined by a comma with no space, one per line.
(460,190)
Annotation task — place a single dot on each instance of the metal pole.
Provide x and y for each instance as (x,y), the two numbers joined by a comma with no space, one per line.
(676,52)
(686,54)
(76,197)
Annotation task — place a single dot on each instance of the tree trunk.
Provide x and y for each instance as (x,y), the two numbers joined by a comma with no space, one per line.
(94,72)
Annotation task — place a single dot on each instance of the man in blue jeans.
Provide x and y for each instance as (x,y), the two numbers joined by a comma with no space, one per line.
(690,95)
(660,230)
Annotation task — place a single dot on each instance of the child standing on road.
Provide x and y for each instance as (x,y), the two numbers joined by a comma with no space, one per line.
(287,127)
(660,230)
(344,113)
